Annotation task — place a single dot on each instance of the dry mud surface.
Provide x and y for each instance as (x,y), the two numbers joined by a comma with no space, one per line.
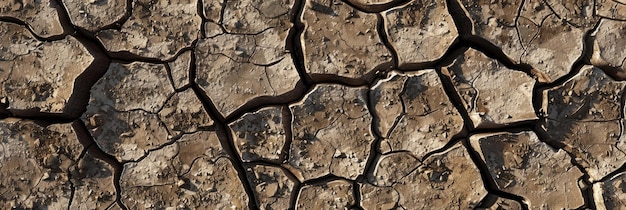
(312,104)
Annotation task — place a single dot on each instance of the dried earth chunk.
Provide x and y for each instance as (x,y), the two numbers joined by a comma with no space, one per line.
(135,86)
(272,187)
(611,9)
(93,182)
(94,15)
(341,40)
(530,32)
(332,132)
(35,164)
(203,178)
(443,181)
(183,113)
(36,75)
(179,69)
(234,69)
(260,135)
(522,165)
(608,53)
(41,16)
(255,16)
(422,117)
(331,195)
(421,31)
(585,114)
(610,194)
(156,29)
(373,197)
(126,135)
(492,93)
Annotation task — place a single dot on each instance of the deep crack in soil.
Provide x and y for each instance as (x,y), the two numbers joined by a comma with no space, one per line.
(312,104)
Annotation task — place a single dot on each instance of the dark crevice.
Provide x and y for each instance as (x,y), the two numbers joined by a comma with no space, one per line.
(84,137)
(461,19)
(293,42)
(287,118)
(375,8)
(384,38)
(587,194)
(374,150)
(356,192)
(455,98)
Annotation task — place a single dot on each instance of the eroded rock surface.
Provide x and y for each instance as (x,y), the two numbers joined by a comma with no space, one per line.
(522,165)
(586,114)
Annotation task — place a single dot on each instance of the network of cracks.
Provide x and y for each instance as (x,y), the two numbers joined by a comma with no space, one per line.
(312,104)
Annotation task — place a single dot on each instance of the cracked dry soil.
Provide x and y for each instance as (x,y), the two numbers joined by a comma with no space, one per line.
(312,104)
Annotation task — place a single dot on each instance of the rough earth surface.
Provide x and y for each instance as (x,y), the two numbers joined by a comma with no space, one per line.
(312,104)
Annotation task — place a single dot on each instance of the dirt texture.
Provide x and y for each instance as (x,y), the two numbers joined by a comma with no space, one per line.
(312,104)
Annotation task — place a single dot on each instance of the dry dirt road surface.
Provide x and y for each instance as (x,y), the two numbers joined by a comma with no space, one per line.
(312,104)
